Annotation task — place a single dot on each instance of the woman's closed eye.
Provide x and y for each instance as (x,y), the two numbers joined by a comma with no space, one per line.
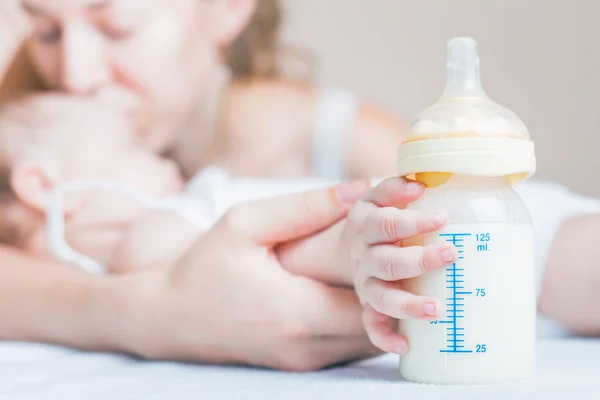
(116,23)
(117,32)
(47,32)
(50,37)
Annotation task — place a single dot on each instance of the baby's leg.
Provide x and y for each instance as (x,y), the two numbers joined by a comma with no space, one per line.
(154,239)
(567,227)
(571,285)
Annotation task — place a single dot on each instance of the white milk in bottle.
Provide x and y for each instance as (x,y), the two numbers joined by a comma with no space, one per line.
(469,152)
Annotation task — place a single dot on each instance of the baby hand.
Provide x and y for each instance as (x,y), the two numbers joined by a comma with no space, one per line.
(374,228)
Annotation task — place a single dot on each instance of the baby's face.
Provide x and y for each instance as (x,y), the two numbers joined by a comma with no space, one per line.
(101,147)
(77,139)
(94,144)
(109,154)
(125,164)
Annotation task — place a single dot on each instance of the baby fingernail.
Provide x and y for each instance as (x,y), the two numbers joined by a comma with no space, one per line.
(413,187)
(351,192)
(440,219)
(400,350)
(430,309)
(446,255)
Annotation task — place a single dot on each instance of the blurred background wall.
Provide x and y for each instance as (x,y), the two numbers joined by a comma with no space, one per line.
(541,58)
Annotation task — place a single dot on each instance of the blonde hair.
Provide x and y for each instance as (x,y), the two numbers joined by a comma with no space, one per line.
(255,52)
(258,52)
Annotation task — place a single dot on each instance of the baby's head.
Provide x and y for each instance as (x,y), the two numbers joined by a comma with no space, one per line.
(53,139)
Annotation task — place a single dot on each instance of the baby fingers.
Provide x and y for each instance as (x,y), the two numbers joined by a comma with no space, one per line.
(387,298)
(381,334)
(390,224)
(392,263)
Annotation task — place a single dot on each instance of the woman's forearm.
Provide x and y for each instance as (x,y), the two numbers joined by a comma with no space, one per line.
(571,286)
(47,302)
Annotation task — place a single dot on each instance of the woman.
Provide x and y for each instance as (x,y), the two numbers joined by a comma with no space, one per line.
(203,79)
(164,63)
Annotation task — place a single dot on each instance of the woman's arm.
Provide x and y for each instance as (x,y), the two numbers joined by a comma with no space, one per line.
(47,302)
(571,285)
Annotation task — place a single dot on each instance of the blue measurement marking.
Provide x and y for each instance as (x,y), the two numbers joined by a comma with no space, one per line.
(456,351)
(455,301)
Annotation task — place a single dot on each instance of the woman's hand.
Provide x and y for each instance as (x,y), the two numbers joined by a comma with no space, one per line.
(364,251)
(230,301)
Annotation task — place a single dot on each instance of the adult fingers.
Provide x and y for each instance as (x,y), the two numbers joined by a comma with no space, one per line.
(380,331)
(390,225)
(331,311)
(395,192)
(283,218)
(317,353)
(387,298)
(317,256)
(393,263)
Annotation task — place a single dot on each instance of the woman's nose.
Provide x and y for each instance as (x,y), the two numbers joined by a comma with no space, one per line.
(85,65)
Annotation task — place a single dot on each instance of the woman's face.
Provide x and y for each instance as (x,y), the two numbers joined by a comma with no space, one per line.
(152,58)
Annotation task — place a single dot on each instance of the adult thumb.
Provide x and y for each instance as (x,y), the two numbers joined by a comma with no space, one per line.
(279,219)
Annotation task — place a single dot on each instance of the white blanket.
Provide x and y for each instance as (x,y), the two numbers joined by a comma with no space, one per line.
(568,369)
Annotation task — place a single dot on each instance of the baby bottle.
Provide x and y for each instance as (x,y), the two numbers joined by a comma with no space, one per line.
(469,152)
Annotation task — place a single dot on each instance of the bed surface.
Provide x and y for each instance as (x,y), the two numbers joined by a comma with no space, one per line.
(567,368)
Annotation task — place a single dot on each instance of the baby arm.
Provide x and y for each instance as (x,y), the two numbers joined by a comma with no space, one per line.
(154,239)
(369,258)
(376,225)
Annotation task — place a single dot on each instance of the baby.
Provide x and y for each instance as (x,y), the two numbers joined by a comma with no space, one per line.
(50,146)
(55,149)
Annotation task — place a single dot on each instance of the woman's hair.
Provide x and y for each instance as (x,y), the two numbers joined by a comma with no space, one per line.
(258,52)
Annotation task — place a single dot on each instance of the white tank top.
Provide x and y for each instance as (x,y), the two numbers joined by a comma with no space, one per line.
(335,117)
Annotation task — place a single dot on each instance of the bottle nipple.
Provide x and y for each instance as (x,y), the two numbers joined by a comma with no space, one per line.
(464,109)
(462,69)
(465,132)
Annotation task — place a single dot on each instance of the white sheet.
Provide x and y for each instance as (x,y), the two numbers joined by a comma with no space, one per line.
(568,368)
